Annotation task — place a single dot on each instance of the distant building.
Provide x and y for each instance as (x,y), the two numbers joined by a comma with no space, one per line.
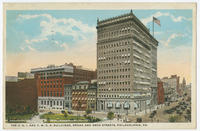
(173,83)
(83,74)
(25,75)
(21,94)
(183,86)
(168,92)
(126,64)
(11,79)
(68,96)
(161,97)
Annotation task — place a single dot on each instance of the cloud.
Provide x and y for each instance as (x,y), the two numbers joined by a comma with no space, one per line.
(170,38)
(27,17)
(36,40)
(64,26)
(83,53)
(159,14)
(29,47)
(80,52)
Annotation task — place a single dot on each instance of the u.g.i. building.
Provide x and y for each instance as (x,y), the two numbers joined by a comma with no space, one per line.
(126,65)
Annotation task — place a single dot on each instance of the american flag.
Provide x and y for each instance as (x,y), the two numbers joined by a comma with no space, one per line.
(157,21)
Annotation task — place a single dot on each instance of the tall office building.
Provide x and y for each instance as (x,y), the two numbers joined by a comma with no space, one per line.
(126,65)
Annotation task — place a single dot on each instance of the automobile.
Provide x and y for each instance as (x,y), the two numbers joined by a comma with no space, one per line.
(170,111)
(154,111)
(151,115)
(139,120)
(70,112)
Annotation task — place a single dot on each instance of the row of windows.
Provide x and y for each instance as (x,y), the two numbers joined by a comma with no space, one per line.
(114,83)
(53,81)
(120,63)
(115,89)
(111,96)
(114,77)
(51,73)
(68,93)
(122,31)
(58,103)
(51,93)
(120,57)
(109,52)
(117,44)
(68,98)
(115,70)
(52,86)
(50,77)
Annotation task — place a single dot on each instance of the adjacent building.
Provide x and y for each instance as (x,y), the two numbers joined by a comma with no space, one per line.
(50,86)
(80,95)
(92,96)
(84,96)
(83,74)
(25,75)
(68,96)
(126,65)
(21,95)
(54,84)
(11,79)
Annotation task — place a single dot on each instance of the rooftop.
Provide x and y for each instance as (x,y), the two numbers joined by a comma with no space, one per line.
(127,16)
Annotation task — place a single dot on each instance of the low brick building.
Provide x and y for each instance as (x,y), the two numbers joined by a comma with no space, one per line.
(80,96)
(21,94)
(161,96)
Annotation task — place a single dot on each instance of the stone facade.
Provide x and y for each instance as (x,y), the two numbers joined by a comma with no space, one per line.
(126,65)
(92,95)
(68,96)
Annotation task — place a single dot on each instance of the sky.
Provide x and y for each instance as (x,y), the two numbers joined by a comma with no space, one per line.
(37,38)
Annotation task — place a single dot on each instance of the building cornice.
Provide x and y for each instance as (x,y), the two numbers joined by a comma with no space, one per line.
(123,18)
